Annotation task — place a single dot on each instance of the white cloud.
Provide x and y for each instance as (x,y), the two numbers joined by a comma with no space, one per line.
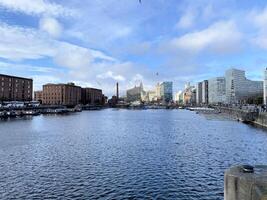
(220,37)
(259,20)
(73,56)
(110,74)
(186,21)
(37,7)
(40,80)
(17,67)
(51,26)
(17,43)
(260,41)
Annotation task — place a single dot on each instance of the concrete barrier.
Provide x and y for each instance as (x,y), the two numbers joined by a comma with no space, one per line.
(246,183)
(261,120)
(239,114)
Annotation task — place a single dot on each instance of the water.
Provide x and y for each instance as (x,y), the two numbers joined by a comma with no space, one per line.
(110,154)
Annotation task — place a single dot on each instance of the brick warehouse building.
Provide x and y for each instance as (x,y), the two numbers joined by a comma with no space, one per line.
(38,96)
(92,96)
(61,94)
(14,88)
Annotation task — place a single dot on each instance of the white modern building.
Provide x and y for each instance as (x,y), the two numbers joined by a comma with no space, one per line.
(265,87)
(216,90)
(239,89)
(179,97)
(151,96)
(157,90)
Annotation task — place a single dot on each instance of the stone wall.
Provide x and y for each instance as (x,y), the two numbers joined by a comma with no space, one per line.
(261,120)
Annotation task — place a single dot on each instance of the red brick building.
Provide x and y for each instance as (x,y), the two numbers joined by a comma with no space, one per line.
(61,94)
(14,88)
(38,96)
(92,96)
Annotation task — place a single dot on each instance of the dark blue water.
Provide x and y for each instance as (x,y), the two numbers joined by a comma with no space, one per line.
(109,154)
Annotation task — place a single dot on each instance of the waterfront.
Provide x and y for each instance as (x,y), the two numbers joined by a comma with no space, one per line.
(123,154)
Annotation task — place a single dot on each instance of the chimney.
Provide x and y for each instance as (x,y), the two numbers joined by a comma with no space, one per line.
(117,86)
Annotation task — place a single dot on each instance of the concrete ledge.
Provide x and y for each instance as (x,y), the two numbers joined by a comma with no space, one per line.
(242,183)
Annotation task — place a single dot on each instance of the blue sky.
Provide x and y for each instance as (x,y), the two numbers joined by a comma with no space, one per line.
(96,43)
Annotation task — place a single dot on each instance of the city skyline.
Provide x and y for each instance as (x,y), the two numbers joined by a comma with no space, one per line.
(91,44)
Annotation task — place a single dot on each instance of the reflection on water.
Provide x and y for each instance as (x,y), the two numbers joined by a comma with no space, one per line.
(109,154)
(220,117)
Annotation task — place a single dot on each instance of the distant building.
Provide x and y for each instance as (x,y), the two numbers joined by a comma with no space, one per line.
(217,90)
(61,94)
(38,96)
(178,97)
(189,95)
(205,92)
(265,87)
(199,93)
(91,96)
(152,96)
(14,88)
(239,89)
(135,94)
(166,91)
(157,89)
(113,101)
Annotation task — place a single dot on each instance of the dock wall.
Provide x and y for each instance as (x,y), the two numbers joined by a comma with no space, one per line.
(239,114)
(261,120)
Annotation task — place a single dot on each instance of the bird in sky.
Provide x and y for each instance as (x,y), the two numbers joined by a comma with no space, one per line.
(140,1)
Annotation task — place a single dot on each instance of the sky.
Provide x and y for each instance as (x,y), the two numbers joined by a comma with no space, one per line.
(96,43)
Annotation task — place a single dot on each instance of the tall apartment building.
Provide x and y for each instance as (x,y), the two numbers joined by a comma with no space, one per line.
(239,89)
(166,91)
(92,96)
(217,90)
(205,92)
(14,88)
(265,87)
(199,93)
(61,94)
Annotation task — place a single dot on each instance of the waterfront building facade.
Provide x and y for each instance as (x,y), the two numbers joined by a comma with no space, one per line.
(158,91)
(189,94)
(151,96)
(135,94)
(166,92)
(92,96)
(239,89)
(14,88)
(265,87)
(179,97)
(217,93)
(61,94)
(205,92)
(38,96)
(199,93)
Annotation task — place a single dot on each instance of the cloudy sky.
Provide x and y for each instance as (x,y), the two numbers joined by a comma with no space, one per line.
(96,43)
